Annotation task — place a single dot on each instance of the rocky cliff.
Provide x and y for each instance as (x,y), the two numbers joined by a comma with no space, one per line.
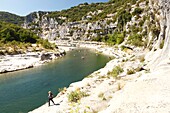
(142,20)
(49,28)
(143,24)
(136,89)
(161,57)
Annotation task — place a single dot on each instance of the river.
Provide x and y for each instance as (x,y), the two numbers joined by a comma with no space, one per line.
(26,90)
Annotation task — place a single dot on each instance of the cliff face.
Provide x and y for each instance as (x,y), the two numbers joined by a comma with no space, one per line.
(149,24)
(161,56)
(165,12)
(49,28)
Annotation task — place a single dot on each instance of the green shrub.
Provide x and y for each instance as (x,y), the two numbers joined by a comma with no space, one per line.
(122,47)
(123,18)
(10,32)
(130,71)
(101,95)
(76,95)
(116,38)
(46,44)
(155,30)
(137,11)
(141,23)
(138,69)
(162,44)
(136,40)
(99,38)
(119,38)
(115,72)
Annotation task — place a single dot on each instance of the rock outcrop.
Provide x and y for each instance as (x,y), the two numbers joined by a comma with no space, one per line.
(161,57)
(10,63)
(49,28)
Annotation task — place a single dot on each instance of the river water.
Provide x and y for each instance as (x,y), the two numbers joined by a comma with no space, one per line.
(26,90)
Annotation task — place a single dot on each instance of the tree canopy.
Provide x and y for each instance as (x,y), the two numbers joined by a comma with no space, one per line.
(10,32)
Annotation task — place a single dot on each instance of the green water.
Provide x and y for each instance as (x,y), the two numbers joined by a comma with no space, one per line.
(26,90)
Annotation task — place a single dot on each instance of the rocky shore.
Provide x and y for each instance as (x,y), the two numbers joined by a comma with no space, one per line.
(10,63)
(101,88)
(135,89)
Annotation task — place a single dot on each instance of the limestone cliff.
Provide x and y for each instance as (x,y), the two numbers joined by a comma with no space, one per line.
(49,28)
(150,27)
(160,56)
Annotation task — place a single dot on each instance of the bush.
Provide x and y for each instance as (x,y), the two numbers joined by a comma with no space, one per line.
(156,30)
(76,95)
(98,38)
(137,11)
(46,44)
(123,18)
(10,32)
(162,44)
(136,40)
(130,71)
(141,23)
(101,95)
(122,47)
(115,72)
(116,38)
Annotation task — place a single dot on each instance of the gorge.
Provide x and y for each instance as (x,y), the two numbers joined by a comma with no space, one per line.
(25,90)
(135,32)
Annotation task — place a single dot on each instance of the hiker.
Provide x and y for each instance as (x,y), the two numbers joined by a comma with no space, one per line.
(50,98)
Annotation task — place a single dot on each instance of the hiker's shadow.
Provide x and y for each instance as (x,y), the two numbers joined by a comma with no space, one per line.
(57,104)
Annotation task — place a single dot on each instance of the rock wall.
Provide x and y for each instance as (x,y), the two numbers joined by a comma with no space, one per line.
(160,57)
(158,14)
(49,28)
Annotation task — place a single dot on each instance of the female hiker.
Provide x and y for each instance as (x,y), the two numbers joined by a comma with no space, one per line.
(50,98)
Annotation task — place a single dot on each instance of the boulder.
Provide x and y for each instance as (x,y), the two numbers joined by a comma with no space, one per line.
(46,56)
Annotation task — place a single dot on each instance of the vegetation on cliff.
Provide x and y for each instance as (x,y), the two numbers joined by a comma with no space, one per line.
(115,12)
(113,22)
(77,13)
(16,38)
(11,18)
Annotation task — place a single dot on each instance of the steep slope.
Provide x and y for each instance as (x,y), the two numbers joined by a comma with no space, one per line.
(97,22)
(161,57)
(16,40)
(150,93)
(11,18)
